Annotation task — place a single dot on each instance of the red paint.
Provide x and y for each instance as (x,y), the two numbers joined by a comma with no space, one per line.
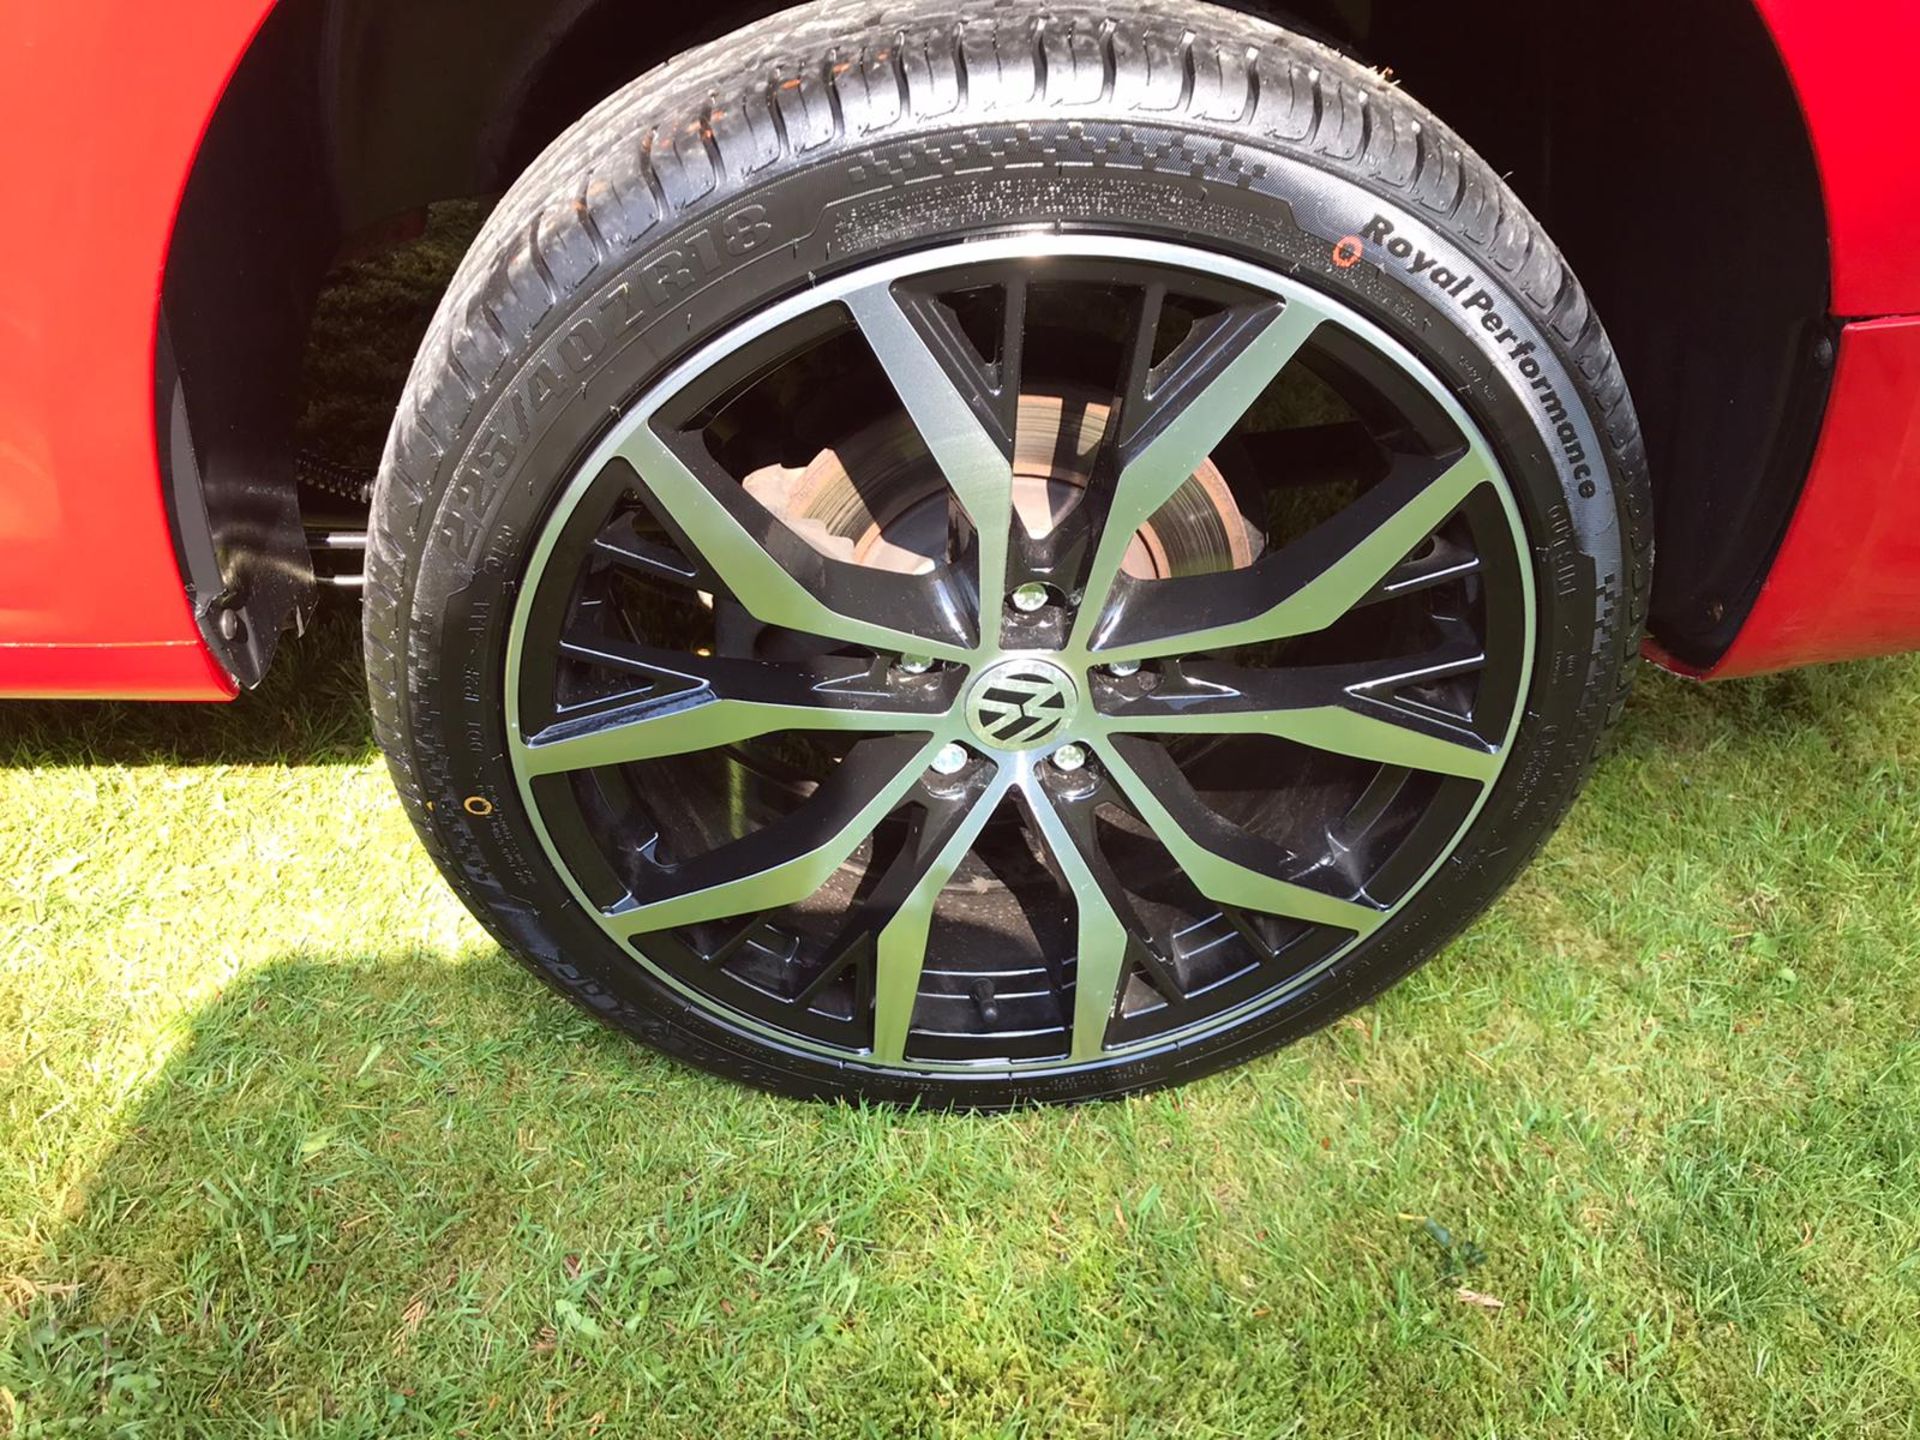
(1850,65)
(161,670)
(102,105)
(1846,583)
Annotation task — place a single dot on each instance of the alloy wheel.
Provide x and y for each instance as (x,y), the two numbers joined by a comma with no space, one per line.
(1019,655)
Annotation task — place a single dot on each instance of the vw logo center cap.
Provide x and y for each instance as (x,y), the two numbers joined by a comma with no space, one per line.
(1021,704)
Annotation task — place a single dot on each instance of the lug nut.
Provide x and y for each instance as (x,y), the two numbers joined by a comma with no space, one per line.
(1030,597)
(1069,758)
(951,760)
(916,664)
(1121,669)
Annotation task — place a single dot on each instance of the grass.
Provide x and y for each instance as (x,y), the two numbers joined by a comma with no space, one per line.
(287,1148)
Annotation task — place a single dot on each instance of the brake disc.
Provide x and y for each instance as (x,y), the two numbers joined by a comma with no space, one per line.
(879,500)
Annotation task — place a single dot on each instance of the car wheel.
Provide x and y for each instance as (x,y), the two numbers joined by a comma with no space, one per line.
(971,561)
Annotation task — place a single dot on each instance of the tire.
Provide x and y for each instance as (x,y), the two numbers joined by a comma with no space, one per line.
(820,146)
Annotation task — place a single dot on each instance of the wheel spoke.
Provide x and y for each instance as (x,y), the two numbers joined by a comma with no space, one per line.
(707,702)
(789,860)
(900,952)
(1344,709)
(1103,943)
(778,577)
(689,721)
(1304,587)
(962,415)
(619,544)
(1445,561)
(1171,429)
(1202,843)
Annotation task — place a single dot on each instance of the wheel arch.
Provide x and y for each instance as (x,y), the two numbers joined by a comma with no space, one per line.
(1703,240)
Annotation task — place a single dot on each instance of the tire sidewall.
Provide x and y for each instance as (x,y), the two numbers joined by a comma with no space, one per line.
(752,243)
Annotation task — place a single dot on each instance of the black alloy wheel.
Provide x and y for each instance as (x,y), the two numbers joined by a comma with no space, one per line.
(768,715)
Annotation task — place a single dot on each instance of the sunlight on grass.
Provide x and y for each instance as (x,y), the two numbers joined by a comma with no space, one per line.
(288,1145)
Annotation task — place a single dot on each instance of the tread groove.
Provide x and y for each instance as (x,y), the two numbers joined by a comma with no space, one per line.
(899,59)
(830,69)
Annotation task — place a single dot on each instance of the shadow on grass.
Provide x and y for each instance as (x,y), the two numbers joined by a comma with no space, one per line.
(1832,700)
(311,709)
(340,1140)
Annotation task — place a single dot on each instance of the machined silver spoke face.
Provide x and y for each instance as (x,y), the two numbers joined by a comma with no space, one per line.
(1026,655)
(1342,709)
(1235,363)
(703,703)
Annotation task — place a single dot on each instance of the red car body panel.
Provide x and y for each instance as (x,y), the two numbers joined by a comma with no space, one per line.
(91,600)
(1843,62)
(91,597)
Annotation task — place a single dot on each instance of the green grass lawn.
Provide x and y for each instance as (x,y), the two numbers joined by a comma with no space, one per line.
(287,1147)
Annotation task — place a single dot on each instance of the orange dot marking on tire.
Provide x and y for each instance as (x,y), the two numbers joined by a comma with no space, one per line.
(1347,252)
(478,805)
